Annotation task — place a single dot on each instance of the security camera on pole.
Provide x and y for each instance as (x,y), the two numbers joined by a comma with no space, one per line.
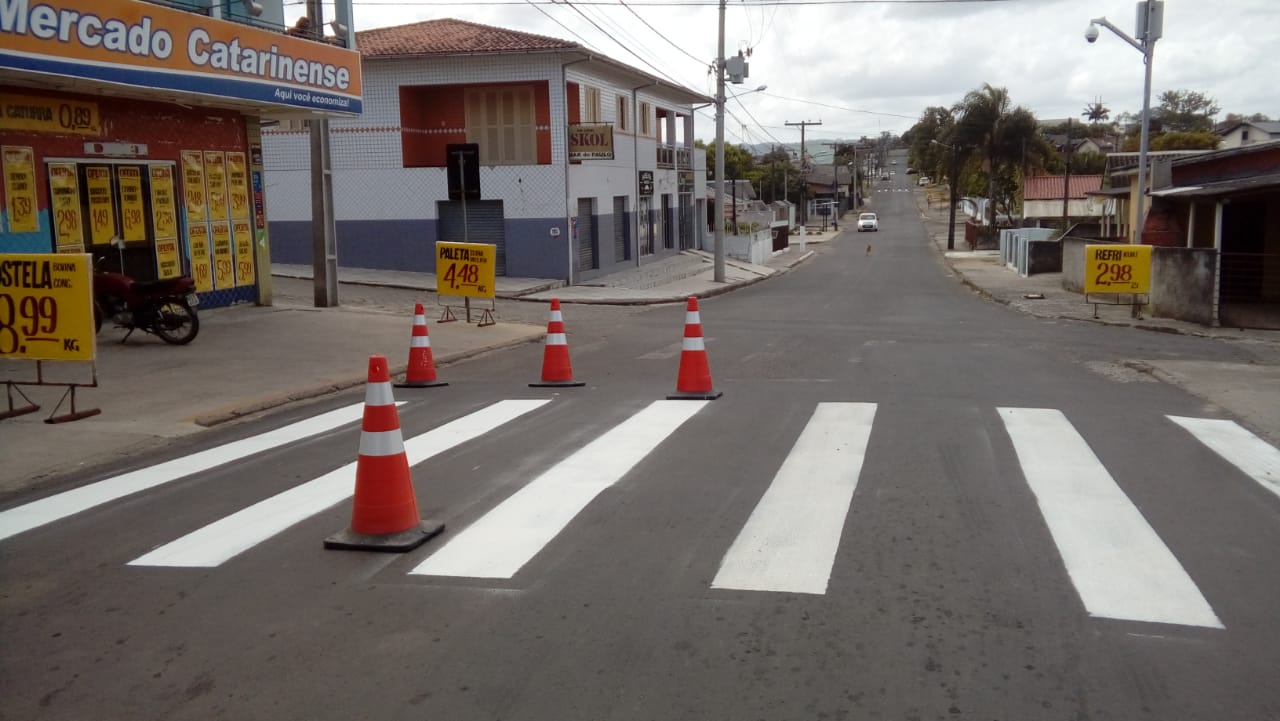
(1149,28)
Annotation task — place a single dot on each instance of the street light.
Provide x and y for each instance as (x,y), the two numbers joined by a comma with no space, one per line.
(954,182)
(1149,28)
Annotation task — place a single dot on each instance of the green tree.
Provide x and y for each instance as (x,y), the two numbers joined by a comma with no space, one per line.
(1237,118)
(1004,136)
(1096,112)
(1185,111)
(1186,141)
(936,123)
(738,161)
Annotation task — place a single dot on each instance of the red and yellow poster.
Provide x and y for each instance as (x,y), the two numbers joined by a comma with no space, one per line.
(193,195)
(224,269)
(163,214)
(129,178)
(20,189)
(238,185)
(168,263)
(215,176)
(201,266)
(68,226)
(102,204)
(243,230)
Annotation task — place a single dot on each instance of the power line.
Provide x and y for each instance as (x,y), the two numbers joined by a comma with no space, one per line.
(557,22)
(659,34)
(615,40)
(658,3)
(840,107)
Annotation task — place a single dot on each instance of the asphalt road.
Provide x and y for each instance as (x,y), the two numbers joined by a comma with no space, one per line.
(909,503)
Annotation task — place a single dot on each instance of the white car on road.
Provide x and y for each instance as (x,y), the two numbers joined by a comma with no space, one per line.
(868,221)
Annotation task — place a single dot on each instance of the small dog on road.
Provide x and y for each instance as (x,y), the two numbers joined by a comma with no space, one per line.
(868,249)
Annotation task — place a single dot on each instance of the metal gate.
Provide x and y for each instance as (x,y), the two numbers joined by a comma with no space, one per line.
(586,235)
(668,222)
(621,248)
(484,224)
(686,221)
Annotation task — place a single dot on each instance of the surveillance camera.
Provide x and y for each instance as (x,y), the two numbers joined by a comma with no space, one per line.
(1091,34)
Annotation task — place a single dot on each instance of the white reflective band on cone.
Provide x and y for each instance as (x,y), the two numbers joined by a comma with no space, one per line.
(556,339)
(555,315)
(419,320)
(691,318)
(381,443)
(693,344)
(419,341)
(378,394)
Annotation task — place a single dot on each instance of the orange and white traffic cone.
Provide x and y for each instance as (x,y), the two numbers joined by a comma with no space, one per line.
(421,372)
(384,515)
(694,382)
(556,369)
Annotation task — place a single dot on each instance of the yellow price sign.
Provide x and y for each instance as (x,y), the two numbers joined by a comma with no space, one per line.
(132,217)
(46,307)
(215,174)
(68,226)
(466,269)
(20,188)
(224,268)
(102,204)
(163,214)
(1117,269)
(194,195)
(201,265)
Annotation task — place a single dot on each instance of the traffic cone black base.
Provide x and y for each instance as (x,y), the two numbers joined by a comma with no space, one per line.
(420,384)
(349,540)
(557,384)
(708,396)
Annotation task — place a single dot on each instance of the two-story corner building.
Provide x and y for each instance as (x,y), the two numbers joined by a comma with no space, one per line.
(585,165)
(140,121)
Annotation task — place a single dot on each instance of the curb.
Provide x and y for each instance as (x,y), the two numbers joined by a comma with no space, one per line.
(324,389)
(428,289)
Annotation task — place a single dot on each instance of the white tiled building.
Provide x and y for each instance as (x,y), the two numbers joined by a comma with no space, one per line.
(432,85)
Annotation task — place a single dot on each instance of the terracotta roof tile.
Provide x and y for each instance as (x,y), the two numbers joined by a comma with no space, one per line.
(449,36)
(1049,187)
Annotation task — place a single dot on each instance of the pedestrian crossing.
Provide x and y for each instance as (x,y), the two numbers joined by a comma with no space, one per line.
(1113,556)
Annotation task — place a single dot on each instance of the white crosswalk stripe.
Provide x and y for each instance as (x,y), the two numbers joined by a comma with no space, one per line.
(226,538)
(1118,564)
(46,510)
(790,541)
(505,539)
(1259,460)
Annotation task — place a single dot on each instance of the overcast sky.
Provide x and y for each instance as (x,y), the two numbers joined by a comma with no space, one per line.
(881,63)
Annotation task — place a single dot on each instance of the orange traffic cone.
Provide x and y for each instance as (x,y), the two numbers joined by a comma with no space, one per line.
(384,515)
(422,368)
(556,369)
(694,382)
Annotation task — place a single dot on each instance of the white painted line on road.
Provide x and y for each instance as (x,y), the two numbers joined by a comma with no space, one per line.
(790,541)
(228,537)
(56,507)
(1118,564)
(506,538)
(1258,459)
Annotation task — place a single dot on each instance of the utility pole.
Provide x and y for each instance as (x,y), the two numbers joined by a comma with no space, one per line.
(835,186)
(1066,179)
(718,272)
(324,241)
(804,175)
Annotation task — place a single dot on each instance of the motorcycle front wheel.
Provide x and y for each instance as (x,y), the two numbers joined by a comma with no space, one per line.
(176,323)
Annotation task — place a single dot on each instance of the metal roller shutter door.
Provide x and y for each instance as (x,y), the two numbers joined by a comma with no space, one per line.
(586,234)
(485,224)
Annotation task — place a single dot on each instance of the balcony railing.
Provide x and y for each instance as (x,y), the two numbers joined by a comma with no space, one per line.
(670,156)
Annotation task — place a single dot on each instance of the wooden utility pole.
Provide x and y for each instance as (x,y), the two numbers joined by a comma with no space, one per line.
(804,167)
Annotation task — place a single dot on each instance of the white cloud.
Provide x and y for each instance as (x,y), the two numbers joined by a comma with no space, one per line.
(898,59)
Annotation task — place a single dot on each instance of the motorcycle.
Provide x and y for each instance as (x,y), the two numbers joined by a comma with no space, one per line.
(165,308)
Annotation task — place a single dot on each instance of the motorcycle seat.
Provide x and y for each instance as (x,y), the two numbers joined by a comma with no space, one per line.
(152,286)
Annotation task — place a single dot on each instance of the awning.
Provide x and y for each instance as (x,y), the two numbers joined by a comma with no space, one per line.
(1226,187)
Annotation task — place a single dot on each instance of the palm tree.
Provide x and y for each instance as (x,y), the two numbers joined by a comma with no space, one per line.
(1096,112)
(1003,135)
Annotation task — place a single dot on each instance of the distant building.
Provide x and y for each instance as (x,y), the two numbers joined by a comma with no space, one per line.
(1248,132)
(1042,197)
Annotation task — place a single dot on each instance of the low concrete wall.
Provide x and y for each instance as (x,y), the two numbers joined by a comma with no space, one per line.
(1182,283)
(755,248)
(1073,261)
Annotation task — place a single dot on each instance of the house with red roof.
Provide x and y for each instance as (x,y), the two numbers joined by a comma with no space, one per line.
(575,164)
(1043,196)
